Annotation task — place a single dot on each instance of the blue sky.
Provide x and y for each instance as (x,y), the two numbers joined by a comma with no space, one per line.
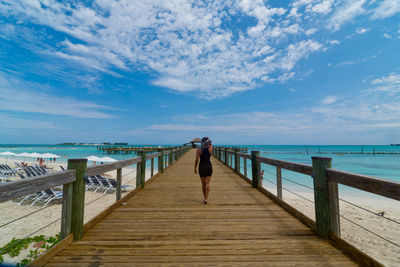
(163,72)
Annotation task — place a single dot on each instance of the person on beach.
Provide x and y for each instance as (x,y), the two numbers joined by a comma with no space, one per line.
(205,168)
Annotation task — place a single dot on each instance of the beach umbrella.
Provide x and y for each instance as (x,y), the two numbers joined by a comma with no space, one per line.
(7,153)
(24,154)
(107,159)
(35,155)
(93,158)
(49,155)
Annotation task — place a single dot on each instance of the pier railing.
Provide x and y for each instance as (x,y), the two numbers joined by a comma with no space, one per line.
(73,189)
(325,187)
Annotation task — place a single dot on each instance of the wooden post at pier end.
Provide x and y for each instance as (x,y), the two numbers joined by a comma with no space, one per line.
(78,197)
(219,153)
(143,170)
(170,157)
(138,171)
(151,167)
(279,182)
(326,198)
(161,161)
(255,169)
(237,161)
(66,210)
(245,166)
(119,181)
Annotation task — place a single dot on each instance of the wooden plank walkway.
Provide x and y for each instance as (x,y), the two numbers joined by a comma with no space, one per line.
(167,224)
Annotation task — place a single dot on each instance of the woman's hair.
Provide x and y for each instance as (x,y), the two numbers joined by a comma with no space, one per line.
(205,143)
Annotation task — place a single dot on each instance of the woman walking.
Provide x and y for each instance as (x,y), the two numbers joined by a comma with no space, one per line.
(205,168)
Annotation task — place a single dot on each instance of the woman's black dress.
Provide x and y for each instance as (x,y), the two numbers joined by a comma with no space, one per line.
(205,167)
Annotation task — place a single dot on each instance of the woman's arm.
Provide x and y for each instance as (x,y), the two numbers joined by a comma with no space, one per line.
(210,148)
(196,162)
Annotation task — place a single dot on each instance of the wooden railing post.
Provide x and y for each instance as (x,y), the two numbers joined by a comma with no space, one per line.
(143,170)
(66,210)
(170,157)
(161,161)
(237,168)
(78,197)
(255,169)
(138,171)
(151,167)
(226,155)
(119,181)
(326,205)
(279,182)
(245,166)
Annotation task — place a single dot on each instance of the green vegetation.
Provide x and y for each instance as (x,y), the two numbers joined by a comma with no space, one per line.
(15,246)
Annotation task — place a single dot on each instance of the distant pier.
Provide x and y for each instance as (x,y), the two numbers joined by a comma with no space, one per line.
(127,149)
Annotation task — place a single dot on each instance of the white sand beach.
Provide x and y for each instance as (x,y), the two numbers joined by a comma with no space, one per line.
(381,250)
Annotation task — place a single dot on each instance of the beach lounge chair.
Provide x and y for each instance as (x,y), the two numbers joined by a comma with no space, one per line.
(47,196)
(96,183)
(4,178)
(88,183)
(6,170)
(31,197)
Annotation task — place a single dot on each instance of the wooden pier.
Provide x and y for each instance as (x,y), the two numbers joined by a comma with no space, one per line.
(167,224)
(128,149)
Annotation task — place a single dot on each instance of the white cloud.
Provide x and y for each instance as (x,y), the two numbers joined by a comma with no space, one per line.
(187,46)
(330,99)
(334,42)
(387,36)
(362,30)
(18,96)
(346,12)
(324,7)
(389,84)
(372,111)
(311,31)
(386,8)
(298,51)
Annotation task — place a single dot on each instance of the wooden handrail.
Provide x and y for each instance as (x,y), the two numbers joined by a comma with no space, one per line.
(378,186)
(28,186)
(244,155)
(102,168)
(153,155)
(292,166)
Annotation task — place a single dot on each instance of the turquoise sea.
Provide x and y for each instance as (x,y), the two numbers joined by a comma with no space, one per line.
(357,159)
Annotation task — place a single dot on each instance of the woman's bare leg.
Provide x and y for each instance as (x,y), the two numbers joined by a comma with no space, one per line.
(203,186)
(207,181)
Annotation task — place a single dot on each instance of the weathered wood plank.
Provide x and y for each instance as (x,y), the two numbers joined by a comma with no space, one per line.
(28,186)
